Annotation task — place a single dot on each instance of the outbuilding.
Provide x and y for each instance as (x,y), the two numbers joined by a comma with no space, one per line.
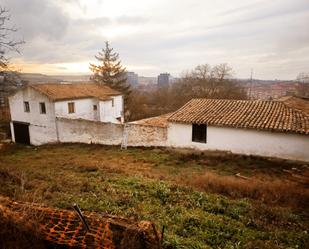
(252,127)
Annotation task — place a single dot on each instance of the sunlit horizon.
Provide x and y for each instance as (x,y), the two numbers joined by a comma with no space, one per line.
(62,37)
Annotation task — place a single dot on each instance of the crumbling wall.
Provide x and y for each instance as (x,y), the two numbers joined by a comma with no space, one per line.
(146,135)
(86,131)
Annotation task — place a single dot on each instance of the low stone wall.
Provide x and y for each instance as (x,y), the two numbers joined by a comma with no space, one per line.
(146,135)
(86,131)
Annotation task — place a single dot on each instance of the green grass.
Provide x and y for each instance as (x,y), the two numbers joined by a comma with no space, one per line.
(103,179)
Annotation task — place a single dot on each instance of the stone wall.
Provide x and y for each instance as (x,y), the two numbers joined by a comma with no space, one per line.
(146,135)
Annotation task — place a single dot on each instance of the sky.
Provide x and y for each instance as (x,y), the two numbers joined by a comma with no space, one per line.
(153,36)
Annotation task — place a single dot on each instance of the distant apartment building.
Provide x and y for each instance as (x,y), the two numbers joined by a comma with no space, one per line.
(164,80)
(132,79)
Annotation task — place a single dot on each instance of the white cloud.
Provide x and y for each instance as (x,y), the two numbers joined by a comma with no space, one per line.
(156,35)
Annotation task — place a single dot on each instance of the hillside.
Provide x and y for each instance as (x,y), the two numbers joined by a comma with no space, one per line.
(196,196)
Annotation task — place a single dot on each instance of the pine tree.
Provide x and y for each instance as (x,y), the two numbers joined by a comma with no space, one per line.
(110,71)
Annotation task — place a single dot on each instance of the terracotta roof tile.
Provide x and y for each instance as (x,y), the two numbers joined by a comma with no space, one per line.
(255,114)
(159,121)
(58,92)
(301,104)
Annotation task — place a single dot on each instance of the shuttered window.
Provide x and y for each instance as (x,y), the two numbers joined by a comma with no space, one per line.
(199,133)
(71,107)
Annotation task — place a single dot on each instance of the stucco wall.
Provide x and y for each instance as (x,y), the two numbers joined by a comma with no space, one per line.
(40,134)
(110,113)
(243,141)
(86,131)
(42,127)
(83,109)
(145,135)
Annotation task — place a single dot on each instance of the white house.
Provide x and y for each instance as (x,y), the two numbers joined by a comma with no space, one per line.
(35,109)
(265,128)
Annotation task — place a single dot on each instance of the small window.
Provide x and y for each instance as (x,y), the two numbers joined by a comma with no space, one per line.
(199,133)
(42,108)
(26,106)
(112,102)
(95,107)
(71,107)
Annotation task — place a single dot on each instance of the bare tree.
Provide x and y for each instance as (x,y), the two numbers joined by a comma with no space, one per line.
(206,81)
(9,78)
(222,71)
(7,42)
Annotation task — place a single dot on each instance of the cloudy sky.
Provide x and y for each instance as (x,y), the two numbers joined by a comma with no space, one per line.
(153,36)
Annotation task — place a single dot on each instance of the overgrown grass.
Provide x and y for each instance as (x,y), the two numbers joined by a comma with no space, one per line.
(151,185)
(276,192)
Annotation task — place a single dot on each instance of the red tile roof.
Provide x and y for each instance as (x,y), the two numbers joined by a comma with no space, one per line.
(58,92)
(301,104)
(159,121)
(255,114)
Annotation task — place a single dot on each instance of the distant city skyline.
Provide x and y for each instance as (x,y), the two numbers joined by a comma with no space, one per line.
(62,37)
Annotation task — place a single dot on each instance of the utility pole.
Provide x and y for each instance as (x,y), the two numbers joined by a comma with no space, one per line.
(251,82)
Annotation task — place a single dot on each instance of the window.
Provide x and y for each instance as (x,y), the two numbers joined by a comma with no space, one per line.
(199,133)
(71,107)
(95,107)
(42,108)
(26,106)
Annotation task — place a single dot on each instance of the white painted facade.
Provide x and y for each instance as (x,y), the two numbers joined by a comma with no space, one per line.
(89,125)
(83,109)
(43,127)
(242,141)
(110,110)
(106,111)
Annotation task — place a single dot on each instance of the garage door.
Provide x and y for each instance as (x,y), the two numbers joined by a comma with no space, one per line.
(21,131)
